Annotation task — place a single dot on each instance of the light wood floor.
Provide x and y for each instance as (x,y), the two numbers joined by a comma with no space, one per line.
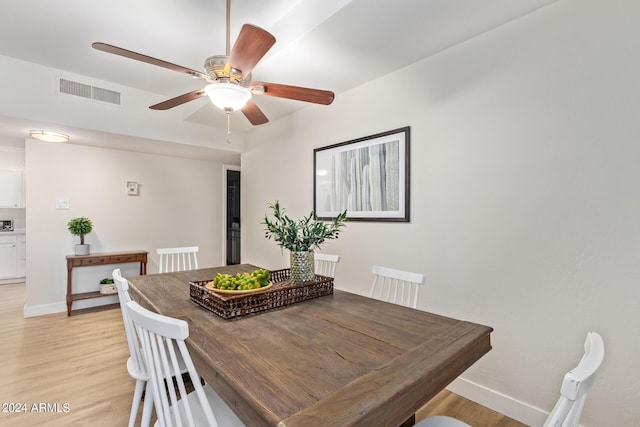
(73,370)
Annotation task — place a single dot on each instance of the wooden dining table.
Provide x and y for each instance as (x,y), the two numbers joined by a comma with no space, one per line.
(337,360)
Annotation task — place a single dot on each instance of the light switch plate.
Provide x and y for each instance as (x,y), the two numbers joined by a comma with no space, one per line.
(62,203)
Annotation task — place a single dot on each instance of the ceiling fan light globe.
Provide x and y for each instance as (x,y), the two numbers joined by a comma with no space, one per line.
(228,96)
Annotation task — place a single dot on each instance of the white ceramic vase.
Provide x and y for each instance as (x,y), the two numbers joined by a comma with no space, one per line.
(82,249)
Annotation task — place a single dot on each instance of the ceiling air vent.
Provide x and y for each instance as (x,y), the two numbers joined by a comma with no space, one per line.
(75,88)
(105,95)
(82,90)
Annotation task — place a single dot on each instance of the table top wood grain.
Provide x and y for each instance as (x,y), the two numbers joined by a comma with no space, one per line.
(337,360)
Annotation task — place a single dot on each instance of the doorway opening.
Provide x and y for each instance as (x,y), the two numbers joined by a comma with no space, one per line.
(233,217)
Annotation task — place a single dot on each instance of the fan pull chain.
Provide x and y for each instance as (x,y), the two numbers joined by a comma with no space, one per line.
(228,125)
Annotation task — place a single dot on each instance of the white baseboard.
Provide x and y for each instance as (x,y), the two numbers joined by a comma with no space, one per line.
(61,307)
(499,402)
(42,310)
(12,281)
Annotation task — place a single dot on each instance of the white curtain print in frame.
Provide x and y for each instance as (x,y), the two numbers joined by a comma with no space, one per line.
(368,176)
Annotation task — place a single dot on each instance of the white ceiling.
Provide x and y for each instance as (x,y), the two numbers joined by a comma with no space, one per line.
(323,44)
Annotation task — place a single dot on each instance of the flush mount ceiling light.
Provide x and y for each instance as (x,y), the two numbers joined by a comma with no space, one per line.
(228,96)
(46,136)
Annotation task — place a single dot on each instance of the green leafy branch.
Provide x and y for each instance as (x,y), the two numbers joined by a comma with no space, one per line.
(304,235)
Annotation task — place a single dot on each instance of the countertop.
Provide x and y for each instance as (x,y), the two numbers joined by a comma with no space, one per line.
(15,232)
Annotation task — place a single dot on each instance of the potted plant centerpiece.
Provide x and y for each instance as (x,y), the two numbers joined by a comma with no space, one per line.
(301,238)
(80,226)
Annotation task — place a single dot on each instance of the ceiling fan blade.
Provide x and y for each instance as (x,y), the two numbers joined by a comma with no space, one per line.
(316,96)
(255,115)
(148,59)
(250,46)
(179,100)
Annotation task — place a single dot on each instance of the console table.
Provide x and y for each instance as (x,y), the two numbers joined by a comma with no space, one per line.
(99,259)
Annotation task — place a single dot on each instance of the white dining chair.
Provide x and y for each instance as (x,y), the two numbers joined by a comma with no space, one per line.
(177,259)
(162,341)
(325,264)
(396,286)
(573,392)
(135,365)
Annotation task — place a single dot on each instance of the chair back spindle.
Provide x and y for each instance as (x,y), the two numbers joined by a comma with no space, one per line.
(396,286)
(177,259)
(325,264)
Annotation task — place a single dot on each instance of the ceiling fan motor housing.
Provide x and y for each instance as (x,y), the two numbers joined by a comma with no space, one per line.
(215,67)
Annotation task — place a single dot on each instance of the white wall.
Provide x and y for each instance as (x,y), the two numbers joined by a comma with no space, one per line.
(524,200)
(11,152)
(178,205)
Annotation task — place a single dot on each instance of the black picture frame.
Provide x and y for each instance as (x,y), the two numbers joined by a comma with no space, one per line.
(368,176)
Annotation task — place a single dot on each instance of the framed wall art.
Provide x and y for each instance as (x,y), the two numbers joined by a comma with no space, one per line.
(368,176)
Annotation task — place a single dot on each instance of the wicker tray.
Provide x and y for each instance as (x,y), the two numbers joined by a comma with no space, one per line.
(281,294)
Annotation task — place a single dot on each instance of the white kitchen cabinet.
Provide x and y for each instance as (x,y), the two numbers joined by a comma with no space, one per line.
(11,188)
(8,257)
(21,268)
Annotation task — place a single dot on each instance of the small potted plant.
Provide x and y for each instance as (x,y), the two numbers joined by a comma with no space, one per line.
(107,286)
(80,226)
(301,238)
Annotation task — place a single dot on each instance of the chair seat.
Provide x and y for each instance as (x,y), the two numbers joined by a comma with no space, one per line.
(224,415)
(135,371)
(441,421)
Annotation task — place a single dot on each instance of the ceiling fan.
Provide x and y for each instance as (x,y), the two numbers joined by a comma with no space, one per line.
(229,76)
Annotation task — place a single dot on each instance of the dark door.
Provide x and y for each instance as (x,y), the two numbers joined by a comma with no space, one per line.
(233,217)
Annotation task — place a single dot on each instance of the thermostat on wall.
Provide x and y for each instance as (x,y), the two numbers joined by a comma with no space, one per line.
(132,188)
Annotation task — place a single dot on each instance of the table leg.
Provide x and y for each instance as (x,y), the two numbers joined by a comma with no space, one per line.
(69,300)
(410,422)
